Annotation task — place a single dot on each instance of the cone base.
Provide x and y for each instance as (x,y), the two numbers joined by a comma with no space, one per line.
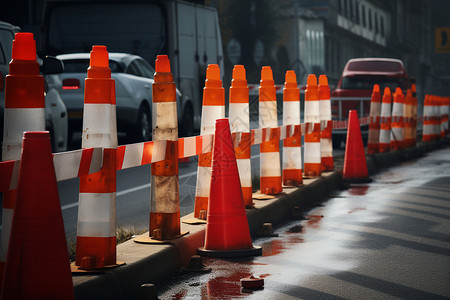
(76,269)
(256,250)
(146,239)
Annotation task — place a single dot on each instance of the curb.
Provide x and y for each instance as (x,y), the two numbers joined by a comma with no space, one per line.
(158,262)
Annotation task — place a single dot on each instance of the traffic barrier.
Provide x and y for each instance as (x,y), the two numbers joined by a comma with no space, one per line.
(68,165)
(428,127)
(165,195)
(373,139)
(312,165)
(270,168)
(96,230)
(227,232)
(397,121)
(24,110)
(326,141)
(408,119)
(240,123)
(37,261)
(213,109)
(355,165)
(292,146)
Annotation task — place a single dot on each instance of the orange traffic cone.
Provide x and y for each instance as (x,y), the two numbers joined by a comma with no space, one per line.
(37,264)
(227,232)
(355,165)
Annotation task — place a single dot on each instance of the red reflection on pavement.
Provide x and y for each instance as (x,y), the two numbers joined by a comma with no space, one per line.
(358,190)
(179,295)
(313,221)
(224,287)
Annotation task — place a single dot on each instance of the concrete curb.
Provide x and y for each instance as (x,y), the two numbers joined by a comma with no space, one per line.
(156,263)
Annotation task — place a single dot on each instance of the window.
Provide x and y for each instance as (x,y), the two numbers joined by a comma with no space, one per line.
(370,18)
(382,25)
(357,12)
(352,14)
(145,69)
(376,22)
(363,14)
(133,69)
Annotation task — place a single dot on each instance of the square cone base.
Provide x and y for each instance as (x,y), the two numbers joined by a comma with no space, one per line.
(254,251)
(146,239)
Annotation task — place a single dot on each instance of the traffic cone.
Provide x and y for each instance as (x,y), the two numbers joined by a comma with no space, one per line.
(96,227)
(414,114)
(24,111)
(408,119)
(313,164)
(227,232)
(397,122)
(326,142)
(37,264)
(374,121)
(240,122)
(385,121)
(213,109)
(165,195)
(355,165)
(292,146)
(270,168)
(427,135)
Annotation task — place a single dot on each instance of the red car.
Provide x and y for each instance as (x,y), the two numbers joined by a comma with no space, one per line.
(354,89)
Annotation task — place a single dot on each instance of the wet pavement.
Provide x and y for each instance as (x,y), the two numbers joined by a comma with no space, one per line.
(389,239)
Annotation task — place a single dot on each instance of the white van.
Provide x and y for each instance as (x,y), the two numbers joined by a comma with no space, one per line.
(55,110)
(188,33)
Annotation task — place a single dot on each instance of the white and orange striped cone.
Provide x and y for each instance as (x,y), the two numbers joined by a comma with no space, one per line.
(436,117)
(96,231)
(414,114)
(427,134)
(373,139)
(270,172)
(312,160)
(165,195)
(292,146)
(24,111)
(326,141)
(213,108)
(397,123)
(385,121)
(408,119)
(240,122)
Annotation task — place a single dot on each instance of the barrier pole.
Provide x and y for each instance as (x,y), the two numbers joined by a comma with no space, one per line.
(270,167)
(385,121)
(96,231)
(213,108)
(312,166)
(240,122)
(292,146)
(24,111)
(374,121)
(165,195)
(397,125)
(326,141)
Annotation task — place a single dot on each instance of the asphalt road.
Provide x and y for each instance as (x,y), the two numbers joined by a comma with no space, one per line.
(386,240)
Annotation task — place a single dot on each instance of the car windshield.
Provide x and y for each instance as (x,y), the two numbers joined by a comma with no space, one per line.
(81,66)
(367,82)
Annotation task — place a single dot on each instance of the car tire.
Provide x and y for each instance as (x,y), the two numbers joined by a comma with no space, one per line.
(143,129)
(187,123)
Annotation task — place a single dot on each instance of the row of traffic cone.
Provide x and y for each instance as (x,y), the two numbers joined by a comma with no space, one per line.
(392,124)
(435,117)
